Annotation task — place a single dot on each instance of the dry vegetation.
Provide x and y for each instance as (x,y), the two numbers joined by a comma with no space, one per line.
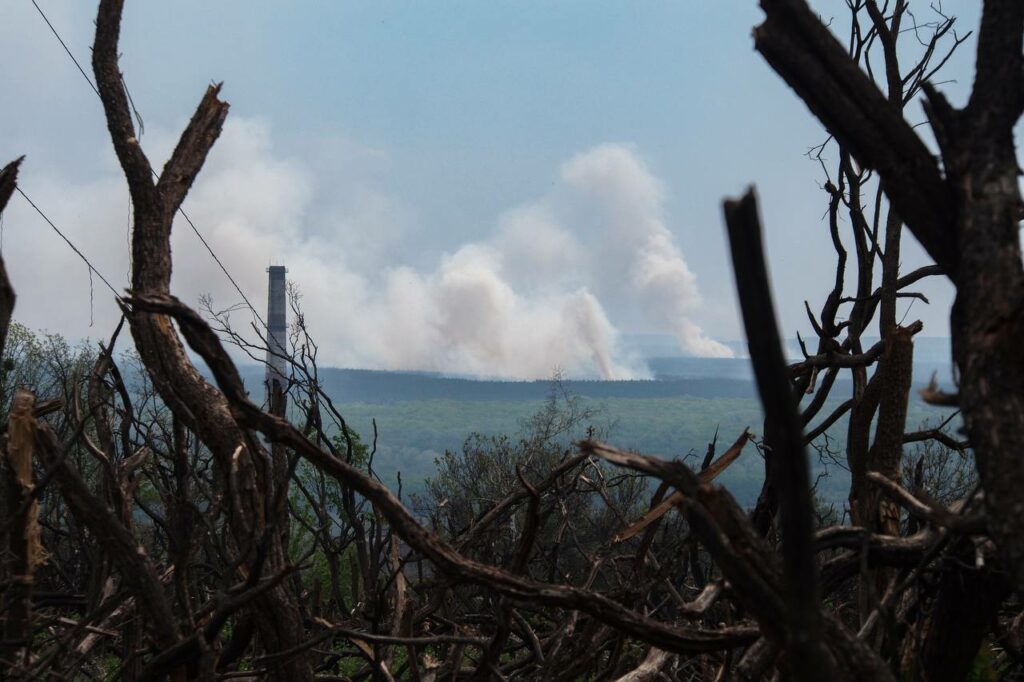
(176,530)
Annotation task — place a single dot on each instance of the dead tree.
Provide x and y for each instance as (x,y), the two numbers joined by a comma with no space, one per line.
(194,534)
(964,208)
(243,467)
(19,542)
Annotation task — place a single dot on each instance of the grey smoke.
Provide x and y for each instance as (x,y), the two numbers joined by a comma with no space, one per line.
(540,290)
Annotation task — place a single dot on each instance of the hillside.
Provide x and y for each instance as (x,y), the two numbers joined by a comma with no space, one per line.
(420,415)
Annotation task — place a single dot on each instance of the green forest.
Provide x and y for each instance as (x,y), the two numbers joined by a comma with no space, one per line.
(413,433)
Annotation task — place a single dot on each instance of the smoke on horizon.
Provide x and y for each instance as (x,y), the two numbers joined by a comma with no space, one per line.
(544,288)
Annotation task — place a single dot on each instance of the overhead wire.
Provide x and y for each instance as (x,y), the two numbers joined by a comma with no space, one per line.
(64,45)
(222,267)
(191,224)
(63,236)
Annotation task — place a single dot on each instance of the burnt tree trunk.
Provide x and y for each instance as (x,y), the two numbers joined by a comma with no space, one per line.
(965,214)
(241,461)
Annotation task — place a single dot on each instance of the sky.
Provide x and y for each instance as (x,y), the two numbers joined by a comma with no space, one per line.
(497,189)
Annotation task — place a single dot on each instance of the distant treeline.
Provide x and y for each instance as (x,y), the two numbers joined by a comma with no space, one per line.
(674,378)
(371,386)
(675,368)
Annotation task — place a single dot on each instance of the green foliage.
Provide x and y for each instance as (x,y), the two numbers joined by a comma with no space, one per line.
(984,668)
(946,475)
(486,469)
(45,363)
(415,434)
(476,476)
(357,453)
(318,507)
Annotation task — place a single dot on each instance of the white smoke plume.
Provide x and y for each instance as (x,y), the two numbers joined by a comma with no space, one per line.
(636,245)
(539,291)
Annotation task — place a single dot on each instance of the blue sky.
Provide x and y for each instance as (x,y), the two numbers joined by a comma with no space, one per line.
(386,137)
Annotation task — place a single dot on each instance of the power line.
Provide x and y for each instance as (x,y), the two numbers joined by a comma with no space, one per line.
(180,210)
(64,45)
(224,269)
(69,242)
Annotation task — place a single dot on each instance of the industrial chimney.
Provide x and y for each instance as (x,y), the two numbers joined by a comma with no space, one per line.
(277,328)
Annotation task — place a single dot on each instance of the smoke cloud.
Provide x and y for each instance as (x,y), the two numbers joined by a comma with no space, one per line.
(636,244)
(545,287)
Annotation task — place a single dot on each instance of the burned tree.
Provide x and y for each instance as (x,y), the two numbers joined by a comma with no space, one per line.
(965,212)
(194,534)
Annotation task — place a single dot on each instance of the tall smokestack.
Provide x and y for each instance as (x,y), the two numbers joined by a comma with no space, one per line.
(277,328)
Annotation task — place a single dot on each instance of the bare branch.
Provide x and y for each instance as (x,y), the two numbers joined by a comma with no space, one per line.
(810,660)
(803,51)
